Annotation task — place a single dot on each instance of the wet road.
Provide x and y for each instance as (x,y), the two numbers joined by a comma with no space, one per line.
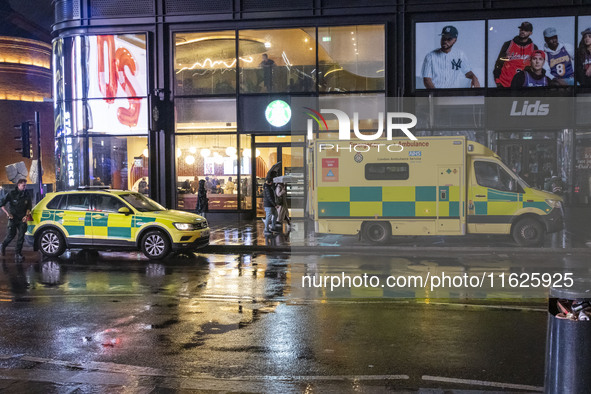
(244,322)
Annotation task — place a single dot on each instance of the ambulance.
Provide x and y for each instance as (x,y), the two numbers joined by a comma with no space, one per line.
(431,186)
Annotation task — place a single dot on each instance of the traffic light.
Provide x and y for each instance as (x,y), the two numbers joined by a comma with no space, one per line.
(24,137)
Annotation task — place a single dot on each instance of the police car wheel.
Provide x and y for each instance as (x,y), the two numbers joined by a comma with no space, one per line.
(376,232)
(528,232)
(51,243)
(155,245)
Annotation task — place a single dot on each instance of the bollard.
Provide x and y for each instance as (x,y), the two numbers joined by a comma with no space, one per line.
(568,354)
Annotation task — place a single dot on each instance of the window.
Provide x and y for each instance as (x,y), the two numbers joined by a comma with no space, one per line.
(205,63)
(280,60)
(351,58)
(55,203)
(386,171)
(213,159)
(77,202)
(492,175)
(106,203)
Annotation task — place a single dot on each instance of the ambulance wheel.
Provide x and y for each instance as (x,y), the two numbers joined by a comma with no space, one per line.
(376,232)
(528,232)
(51,243)
(155,245)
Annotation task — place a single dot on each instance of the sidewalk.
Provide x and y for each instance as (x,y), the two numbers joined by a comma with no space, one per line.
(247,236)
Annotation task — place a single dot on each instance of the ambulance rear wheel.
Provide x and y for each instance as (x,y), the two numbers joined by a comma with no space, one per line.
(155,245)
(376,232)
(529,232)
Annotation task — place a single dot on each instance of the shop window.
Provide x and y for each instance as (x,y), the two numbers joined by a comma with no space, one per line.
(214,159)
(205,63)
(281,60)
(246,186)
(582,178)
(351,58)
(205,115)
(119,162)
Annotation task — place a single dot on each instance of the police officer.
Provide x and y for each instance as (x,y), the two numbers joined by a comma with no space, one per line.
(19,208)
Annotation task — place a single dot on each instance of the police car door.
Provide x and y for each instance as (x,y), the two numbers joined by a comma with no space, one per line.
(75,218)
(109,227)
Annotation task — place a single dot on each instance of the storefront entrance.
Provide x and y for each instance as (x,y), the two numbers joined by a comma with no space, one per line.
(531,157)
(291,157)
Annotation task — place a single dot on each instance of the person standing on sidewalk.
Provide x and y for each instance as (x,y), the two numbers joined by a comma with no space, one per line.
(270,205)
(20,206)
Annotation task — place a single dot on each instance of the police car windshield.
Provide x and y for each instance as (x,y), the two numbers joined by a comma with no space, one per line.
(142,203)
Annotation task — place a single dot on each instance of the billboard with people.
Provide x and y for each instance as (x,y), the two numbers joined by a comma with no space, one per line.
(532,52)
(449,55)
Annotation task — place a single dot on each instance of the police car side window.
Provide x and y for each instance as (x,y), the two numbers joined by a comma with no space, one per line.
(106,203)
(78,202)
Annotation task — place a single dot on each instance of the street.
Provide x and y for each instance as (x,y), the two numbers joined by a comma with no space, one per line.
(245,323)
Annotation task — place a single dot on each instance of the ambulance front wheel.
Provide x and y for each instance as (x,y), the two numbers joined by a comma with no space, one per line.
(376,232)
(155,245)
(529,232)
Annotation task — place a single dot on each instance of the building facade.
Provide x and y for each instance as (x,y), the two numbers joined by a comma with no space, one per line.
(173,92)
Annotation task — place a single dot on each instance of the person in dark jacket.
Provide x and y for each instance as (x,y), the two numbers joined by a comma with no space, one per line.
(533,75)
(514,56)
(202,200)
(19,207)
(269,204)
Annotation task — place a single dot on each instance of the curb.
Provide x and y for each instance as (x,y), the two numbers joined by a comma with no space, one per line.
(388,250)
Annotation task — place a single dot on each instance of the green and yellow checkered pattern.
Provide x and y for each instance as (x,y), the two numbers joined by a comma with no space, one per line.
(389,201)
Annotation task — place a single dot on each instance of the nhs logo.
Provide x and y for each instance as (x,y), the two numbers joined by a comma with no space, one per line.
(414,153)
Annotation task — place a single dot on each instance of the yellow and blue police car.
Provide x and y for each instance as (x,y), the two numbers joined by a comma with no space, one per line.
(112,219)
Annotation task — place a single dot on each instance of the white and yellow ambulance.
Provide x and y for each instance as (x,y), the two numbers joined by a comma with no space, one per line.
(432,186)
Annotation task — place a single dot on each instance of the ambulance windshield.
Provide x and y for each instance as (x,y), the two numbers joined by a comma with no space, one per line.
(142,203)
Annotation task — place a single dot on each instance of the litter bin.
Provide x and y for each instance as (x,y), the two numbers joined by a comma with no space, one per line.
(568,354)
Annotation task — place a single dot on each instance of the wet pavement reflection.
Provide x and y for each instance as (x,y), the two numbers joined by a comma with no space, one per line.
(208,316)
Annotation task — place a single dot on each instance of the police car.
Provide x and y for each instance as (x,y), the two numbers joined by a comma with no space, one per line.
(112,219)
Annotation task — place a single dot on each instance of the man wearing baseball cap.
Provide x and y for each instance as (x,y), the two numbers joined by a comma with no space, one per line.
(584,59)
(533,75)
(560,57)
(447,67)
(514,56)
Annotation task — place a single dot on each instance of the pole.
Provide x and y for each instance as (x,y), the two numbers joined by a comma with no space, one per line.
(39,167)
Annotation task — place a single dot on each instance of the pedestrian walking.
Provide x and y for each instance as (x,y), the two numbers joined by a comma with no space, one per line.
(270,205)
(19,207)
(202,200)
(282,209)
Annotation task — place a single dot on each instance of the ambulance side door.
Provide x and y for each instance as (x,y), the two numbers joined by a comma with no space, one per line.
(74,216)
(494,198)
(110,228)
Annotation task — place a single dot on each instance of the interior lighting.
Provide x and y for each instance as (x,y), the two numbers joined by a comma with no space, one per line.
(192,149)
(267,45)
(178,152)
(258,153)
(230,151)
(145,152)
(205,152)
(190,159)
(246,152)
